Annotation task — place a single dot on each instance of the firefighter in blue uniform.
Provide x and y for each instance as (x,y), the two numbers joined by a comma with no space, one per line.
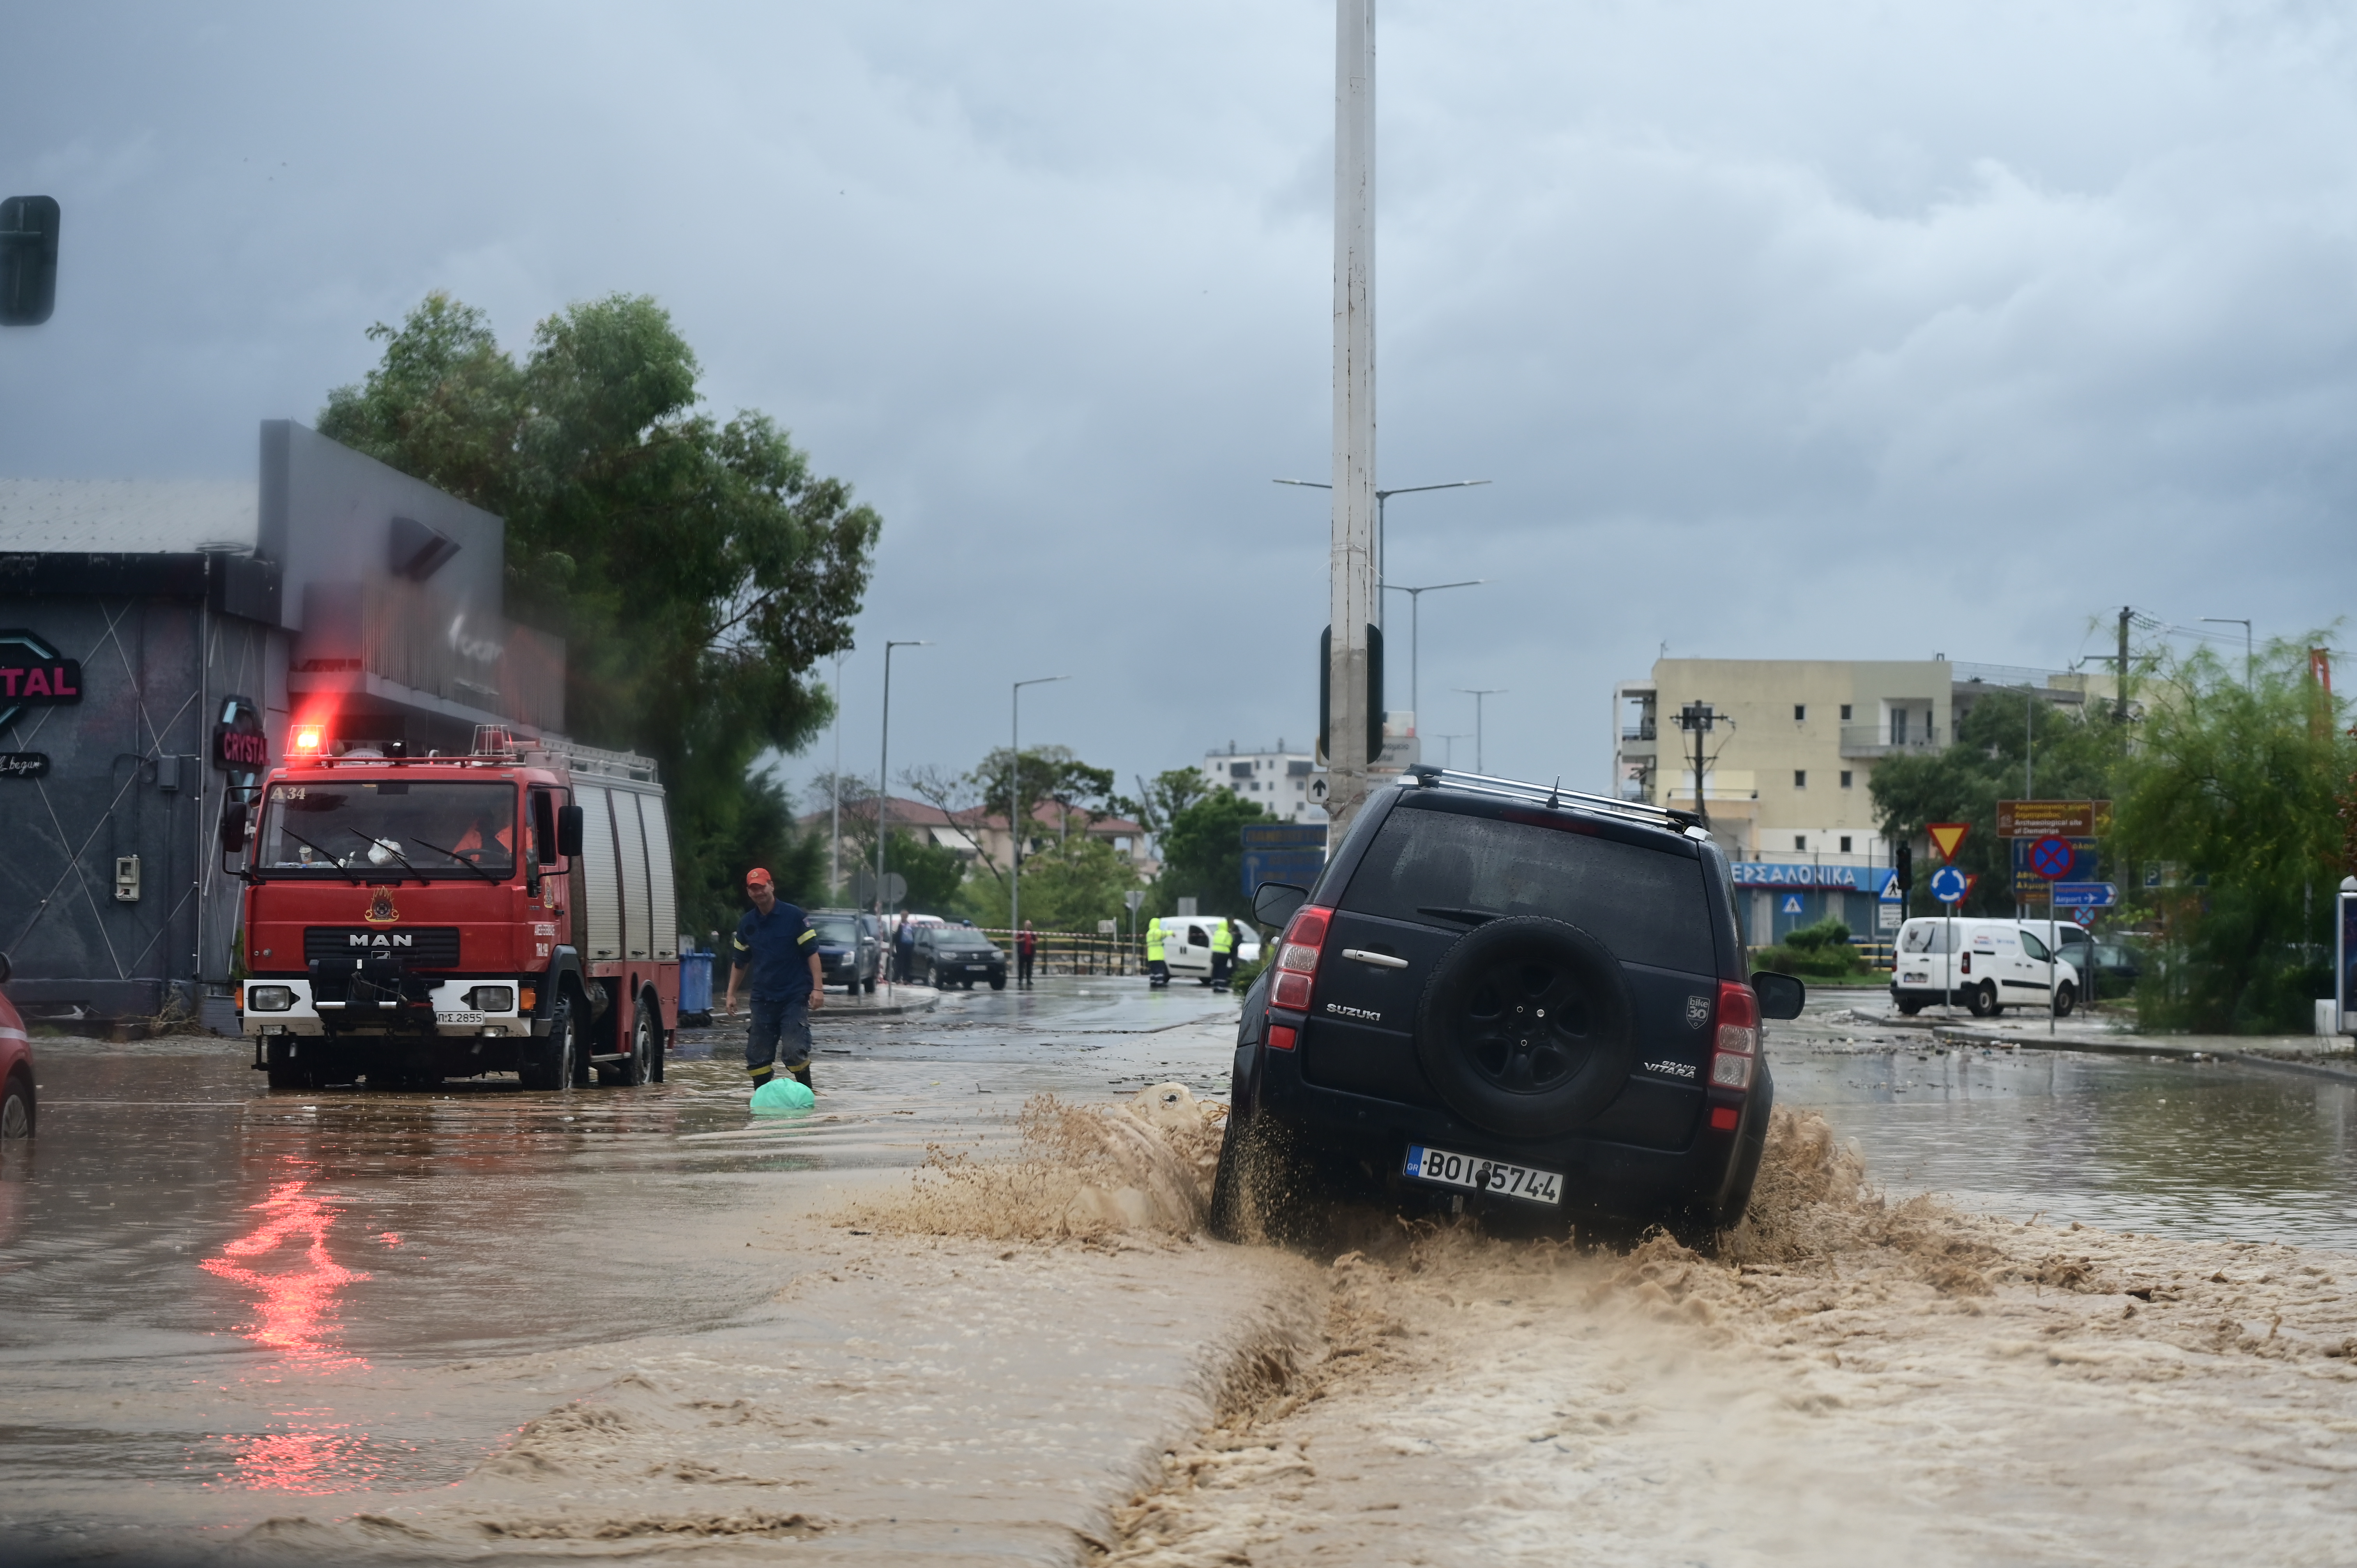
(777,953)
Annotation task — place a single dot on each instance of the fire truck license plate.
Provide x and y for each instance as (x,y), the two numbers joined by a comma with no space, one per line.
(448,1019)
(1484,1175)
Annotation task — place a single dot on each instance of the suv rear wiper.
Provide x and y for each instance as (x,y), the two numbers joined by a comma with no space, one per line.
(1470,917)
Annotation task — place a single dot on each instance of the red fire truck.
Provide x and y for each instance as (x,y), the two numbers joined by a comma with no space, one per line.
(412,919)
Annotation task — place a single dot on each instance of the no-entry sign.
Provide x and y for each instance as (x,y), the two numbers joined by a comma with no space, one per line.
(2052,858)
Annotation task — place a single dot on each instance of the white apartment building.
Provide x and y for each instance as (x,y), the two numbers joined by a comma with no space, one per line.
(1786,765)
(1281,781)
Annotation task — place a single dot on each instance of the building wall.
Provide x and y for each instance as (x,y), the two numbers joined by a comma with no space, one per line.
(1790,776)
(1277,781)
(130,774)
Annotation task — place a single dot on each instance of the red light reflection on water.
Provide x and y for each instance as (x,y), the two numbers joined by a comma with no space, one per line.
(297,1302)
(312,1460)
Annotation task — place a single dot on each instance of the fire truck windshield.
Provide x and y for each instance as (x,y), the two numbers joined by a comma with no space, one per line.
(404,827)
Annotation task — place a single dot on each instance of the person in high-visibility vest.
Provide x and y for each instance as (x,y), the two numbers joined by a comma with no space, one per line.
(1157,971)
(1223,954)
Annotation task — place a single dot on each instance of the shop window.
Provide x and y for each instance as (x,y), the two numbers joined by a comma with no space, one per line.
(1801,841)
(1844,848)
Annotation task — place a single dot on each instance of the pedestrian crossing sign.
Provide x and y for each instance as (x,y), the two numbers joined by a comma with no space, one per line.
(1791,904)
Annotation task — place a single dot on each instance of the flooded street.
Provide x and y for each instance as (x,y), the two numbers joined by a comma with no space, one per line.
(485,1325)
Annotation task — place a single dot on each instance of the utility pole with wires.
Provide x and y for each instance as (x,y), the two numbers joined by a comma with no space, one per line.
(1353,609)
(1699,719)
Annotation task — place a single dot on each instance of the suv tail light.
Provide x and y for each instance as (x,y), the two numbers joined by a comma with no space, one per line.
(1738,1044)
(1297,958)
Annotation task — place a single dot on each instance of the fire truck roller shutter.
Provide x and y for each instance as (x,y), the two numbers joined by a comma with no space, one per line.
(635,911)
(601,884)
(666,900)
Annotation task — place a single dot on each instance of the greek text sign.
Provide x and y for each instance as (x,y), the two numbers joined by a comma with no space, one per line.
(1773,874)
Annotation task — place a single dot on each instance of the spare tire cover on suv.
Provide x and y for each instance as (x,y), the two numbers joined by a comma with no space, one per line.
(1527,1027)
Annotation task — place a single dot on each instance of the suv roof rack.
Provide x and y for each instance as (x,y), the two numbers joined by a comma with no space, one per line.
(1556,794)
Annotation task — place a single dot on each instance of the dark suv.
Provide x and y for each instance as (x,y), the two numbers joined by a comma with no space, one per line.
(849,950)
(958,955)
(1510,997)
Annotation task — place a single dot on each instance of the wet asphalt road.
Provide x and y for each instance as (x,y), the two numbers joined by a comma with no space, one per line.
(210,1285)
(208,1291)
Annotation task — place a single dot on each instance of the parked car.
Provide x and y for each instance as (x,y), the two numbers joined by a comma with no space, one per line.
(19,1104)
(1503,997)
(850,951)
(1187,944)
(957,956)
(1986,965)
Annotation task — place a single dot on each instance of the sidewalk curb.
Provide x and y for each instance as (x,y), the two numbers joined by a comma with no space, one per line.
(2163,1053)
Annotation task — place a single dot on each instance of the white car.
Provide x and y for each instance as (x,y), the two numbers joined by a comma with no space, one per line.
(1986,965)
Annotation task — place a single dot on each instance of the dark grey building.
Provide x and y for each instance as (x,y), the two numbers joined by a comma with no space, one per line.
(141,621)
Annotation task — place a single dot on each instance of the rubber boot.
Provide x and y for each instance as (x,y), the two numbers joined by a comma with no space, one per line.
(802,1075)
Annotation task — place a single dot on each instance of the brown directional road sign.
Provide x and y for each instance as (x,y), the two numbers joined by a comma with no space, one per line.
(2053,819)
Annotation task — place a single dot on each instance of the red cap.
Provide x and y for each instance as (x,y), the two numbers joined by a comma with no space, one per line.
(757,877)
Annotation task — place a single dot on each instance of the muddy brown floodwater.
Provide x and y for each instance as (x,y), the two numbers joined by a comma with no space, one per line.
(488,1325)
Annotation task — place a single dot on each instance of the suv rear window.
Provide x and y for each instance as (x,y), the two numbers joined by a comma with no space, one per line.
(1435,868)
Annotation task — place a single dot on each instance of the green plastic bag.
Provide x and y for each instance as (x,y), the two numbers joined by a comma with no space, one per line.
(783,1093)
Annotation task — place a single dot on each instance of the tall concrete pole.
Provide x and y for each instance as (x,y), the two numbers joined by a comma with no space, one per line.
(1352,605)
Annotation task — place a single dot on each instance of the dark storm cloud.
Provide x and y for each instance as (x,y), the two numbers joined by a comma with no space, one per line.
(1824,330)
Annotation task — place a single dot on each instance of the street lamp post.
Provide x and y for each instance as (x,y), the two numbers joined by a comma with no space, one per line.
(835,819)
(1414,634)
(1477,694)
(1015,809)
(1380,498)
(884,771)
(2237,620)
(834,822)
(1452,740)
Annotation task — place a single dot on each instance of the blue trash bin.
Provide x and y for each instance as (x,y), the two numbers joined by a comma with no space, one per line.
(695,985)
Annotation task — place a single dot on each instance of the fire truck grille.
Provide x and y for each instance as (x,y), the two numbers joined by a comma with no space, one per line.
(423,946)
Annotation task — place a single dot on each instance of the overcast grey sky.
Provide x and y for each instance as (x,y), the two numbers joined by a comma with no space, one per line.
(1843,330)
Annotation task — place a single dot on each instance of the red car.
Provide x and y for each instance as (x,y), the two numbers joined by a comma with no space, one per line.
(16,1103)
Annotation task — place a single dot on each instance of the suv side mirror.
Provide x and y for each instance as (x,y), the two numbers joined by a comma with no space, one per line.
(232,828)
(1779,995)
(569,829)
(1276,902)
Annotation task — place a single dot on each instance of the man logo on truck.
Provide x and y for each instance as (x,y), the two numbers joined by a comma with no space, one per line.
(382,939)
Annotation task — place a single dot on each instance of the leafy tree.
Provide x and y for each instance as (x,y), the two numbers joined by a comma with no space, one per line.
(2234,786)
(2074,758)
(935,873)
(1048,773)
(1067,887)
(1203,857)
(1158,804)
(697,569)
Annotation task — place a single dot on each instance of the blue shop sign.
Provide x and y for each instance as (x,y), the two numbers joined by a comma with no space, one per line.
(1871,879)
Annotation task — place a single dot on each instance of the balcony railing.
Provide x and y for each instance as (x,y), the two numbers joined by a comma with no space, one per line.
(1638,732)
(1875,740)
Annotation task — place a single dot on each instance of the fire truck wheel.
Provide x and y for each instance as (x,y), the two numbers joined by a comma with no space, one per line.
(548,1060)
(638,1066)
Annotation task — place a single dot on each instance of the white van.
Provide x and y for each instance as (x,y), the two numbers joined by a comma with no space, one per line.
(1986,965)
(1187,944)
